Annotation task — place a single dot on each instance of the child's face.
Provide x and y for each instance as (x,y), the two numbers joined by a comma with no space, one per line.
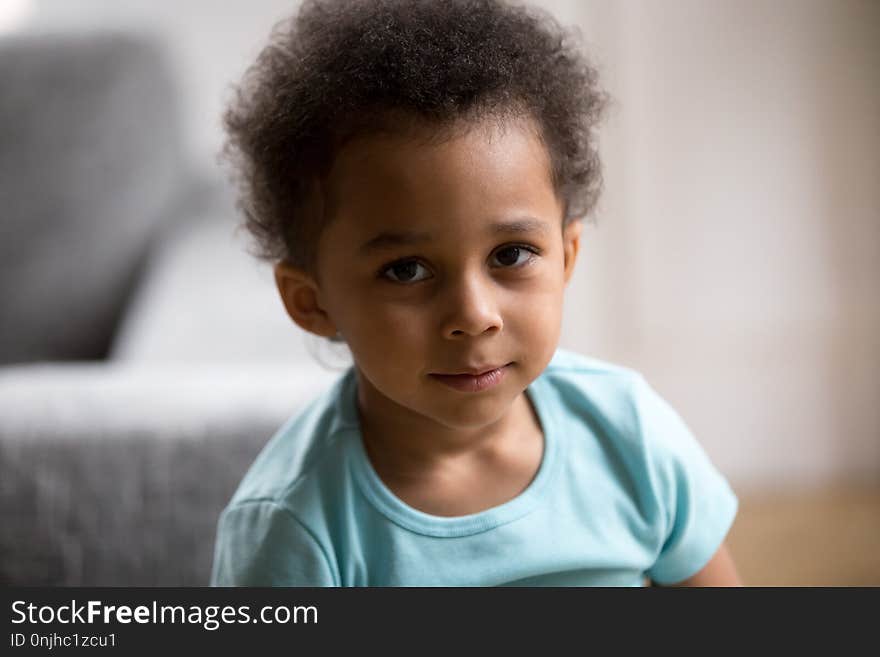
(420,276)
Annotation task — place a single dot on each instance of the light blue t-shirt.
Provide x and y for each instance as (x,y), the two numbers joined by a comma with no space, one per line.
(623,491)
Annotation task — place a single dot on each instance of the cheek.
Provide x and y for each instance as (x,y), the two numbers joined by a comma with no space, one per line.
(539,300)
(535,318)
(384,327)
(544,315)
(389,345)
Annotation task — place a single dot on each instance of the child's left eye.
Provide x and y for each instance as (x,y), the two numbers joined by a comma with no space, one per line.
(510,256)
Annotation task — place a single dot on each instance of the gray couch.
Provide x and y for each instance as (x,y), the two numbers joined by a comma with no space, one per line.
(144,359)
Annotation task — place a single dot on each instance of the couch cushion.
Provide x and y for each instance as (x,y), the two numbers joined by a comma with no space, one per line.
(113,475)
(204,299)
(89,159)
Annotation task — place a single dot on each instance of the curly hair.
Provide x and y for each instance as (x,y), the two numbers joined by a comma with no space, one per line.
(341,69)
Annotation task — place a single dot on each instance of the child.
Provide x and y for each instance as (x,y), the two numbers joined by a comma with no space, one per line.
(419,173)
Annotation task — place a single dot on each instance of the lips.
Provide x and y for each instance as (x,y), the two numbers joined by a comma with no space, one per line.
(486,377)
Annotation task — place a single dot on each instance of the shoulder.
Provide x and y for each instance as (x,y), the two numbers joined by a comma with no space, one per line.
(619,398)
(282,504)
(273,531)
(263,543)
(300,447)
(635,427)
(589,389)
(647,445)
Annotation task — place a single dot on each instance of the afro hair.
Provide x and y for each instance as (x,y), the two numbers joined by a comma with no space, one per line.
(340,69)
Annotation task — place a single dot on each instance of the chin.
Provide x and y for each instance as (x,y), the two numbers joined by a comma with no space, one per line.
(471,412)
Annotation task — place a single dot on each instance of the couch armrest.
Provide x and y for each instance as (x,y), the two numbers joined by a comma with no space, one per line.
(113,475)
(91,163)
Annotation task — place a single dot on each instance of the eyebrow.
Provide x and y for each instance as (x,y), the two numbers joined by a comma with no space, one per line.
(391,239)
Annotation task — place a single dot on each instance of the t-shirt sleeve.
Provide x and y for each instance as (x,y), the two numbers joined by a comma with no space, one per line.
(261,543)
(697,505)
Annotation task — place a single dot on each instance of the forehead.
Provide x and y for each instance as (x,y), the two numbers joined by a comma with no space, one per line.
(469,180)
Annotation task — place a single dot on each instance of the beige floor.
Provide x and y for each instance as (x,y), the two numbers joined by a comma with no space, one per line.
(827,537)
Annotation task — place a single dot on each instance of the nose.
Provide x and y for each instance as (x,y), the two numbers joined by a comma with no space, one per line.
(471,306)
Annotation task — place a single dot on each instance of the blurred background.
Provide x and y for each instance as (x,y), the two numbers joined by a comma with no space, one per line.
(734,261)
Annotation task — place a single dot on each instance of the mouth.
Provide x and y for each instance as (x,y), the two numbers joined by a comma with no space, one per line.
(474,379)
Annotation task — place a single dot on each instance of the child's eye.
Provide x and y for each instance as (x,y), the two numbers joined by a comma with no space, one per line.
(510,256)
(404,271)
(407,271)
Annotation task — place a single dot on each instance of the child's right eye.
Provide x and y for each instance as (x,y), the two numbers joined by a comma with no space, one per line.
(403,271)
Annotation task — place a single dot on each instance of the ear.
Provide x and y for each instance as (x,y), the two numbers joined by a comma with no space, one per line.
(301,297)
(571,241)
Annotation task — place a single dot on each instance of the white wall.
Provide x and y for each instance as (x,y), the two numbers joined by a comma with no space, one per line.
(737,253)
